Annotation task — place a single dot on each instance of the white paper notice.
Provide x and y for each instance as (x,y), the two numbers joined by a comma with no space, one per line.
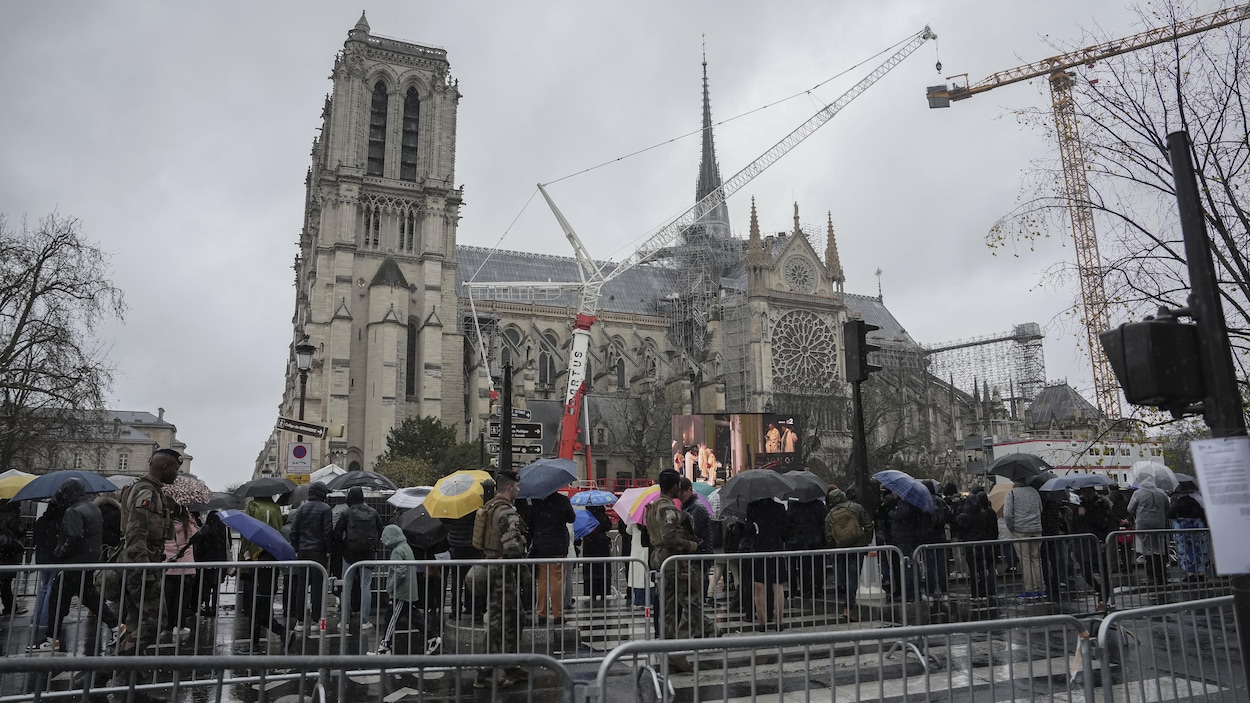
(1223,468)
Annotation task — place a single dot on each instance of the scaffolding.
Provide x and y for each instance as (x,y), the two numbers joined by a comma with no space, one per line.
(1011,363)
(739,381)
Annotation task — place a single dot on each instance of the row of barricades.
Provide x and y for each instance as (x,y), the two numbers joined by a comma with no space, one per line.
(1182,651)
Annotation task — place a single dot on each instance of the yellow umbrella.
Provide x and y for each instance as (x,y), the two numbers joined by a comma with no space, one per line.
(14,482)
(456,495)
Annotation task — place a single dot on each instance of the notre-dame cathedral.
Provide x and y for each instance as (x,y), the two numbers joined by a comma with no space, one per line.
(715,323)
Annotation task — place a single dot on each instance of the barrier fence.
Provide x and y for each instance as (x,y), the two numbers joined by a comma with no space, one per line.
(718,594)
(1154,567)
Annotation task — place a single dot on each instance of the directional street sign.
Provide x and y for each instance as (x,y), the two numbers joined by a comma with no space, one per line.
(516,448)
(520,430)
(519,414)
(301,427)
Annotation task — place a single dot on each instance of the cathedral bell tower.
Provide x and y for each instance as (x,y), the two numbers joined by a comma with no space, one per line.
(376,267)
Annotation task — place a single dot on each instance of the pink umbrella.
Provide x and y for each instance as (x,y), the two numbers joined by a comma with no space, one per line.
(626,502)
(638,514)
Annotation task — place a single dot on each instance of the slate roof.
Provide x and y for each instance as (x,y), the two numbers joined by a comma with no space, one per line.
(1061,404)
(874,312)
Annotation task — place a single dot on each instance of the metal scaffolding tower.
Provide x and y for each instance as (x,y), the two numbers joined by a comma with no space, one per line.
(1011,362)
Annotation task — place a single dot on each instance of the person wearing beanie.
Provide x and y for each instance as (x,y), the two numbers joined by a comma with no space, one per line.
(311,530)
(358,533)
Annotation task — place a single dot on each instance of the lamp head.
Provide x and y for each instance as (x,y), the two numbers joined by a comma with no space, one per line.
(304,353)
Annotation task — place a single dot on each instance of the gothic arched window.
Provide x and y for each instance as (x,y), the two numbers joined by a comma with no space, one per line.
(410,383)
(546,369)
(510,348)
(620,373)
(377,130)
(373,225)
(407,230)
(408,141)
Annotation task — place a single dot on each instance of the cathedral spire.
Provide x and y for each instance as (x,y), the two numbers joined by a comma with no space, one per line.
(832,262)
(755,245)
(709,171)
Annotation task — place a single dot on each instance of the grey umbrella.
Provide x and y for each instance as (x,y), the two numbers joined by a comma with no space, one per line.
(362,479)
(805,486)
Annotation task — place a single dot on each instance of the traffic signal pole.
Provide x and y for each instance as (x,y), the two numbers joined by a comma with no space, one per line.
(505,420)
(1222,407)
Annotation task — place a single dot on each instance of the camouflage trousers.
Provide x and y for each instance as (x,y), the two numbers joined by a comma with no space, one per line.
(141,611)
(681,606)
(503,609)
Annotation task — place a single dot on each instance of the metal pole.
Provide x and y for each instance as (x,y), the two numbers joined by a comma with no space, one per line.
(303,386)
(505,420)
(1221,408)
(867,497)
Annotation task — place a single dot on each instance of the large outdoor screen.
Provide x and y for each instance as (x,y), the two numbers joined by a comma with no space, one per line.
(708,447)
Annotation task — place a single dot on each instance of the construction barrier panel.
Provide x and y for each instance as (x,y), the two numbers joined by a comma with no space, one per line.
(1155,567)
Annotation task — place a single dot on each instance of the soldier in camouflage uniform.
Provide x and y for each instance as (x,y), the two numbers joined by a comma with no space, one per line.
(670,532)
(146,524)
(502,536)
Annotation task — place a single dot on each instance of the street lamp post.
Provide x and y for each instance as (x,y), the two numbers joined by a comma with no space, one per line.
(303,361)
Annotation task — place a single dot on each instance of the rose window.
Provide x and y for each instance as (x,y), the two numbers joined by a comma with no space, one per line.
(804,351)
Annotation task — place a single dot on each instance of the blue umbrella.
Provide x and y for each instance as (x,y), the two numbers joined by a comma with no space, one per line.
(1075,481)
(593,498)
(259,533)
(907,488)
(45,486)
(546,476)
(584,523)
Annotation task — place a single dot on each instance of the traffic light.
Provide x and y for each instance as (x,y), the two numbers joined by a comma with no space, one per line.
(1158,362)
(857,348)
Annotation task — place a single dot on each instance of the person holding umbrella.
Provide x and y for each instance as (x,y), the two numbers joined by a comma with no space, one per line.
(669,533)
(146,524)
(549,539)
(1022,511)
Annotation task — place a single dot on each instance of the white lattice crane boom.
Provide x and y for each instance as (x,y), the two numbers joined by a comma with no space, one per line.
(1076,186)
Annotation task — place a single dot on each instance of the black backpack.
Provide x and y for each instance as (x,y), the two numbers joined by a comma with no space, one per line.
(360,530)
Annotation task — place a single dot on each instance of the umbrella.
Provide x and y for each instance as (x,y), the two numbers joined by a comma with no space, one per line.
(628,498)
(297,496)
(410,497)
(1163,476)
(638,507)
(122,480)
(1075,482)
(907,489)
(188,490)
(1184,483)
(1018,467)
(704,488)
(584,524)
(748,486)
(806,486)
(258,533)
(218,501)
(10,485)
(457,494)
(267,486)
(546,476)
(420,529)
(998,496)
(1040,480)
(14,472)
(45,486)
(593,498)
(362,479)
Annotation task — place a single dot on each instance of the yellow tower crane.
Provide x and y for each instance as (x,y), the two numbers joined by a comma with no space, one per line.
(1055,69)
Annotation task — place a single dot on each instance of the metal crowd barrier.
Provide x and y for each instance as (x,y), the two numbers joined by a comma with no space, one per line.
(167,609)
(240,678)
(1023,659)
(1069,576)
(451,611)
(749,592)
(1155,567)
(1182,651)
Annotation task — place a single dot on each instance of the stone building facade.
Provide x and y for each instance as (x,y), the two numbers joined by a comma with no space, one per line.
(112,442)
(715,323)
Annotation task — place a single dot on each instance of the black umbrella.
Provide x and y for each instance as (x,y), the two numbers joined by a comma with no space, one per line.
(1040,480)
(267,486)
(421,530)
(297,496)
(752,485)
(362,479)
(805,486)
(1018,467)
(1186,483)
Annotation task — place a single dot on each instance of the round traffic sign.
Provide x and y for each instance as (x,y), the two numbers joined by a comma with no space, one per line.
(299,451)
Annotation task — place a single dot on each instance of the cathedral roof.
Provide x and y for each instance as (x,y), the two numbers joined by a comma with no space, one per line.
(1060,404)
(389,275)
(636,291)
(874,312)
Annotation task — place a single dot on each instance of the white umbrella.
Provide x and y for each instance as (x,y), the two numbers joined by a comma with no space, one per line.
(413,497)
(1163,476)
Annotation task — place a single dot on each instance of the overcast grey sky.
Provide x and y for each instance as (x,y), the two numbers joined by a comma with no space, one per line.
(180,133)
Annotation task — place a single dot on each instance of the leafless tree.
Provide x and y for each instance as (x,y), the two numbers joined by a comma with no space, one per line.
(54,292)
(640,428)
(1126,106)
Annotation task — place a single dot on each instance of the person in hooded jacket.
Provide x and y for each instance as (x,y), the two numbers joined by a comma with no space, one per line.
(978,522)
(404,589)
(312,528)
(1193,549)
(906,533)
(597,544)
(111,513)
(12,547)
(211,543)
(1093,517)
(359,600)
(46,533)
(1149,511)
(550,518)
(804,530)
(80,538)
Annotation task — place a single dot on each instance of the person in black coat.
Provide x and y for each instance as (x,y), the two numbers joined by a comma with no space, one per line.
(905,533)
(79,542)
(12,547)
(465,602)
(111,513)
(211,543)
(597,544)
(548,521)
(978,522)
(805,530)
(312,527)
(1093,516)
